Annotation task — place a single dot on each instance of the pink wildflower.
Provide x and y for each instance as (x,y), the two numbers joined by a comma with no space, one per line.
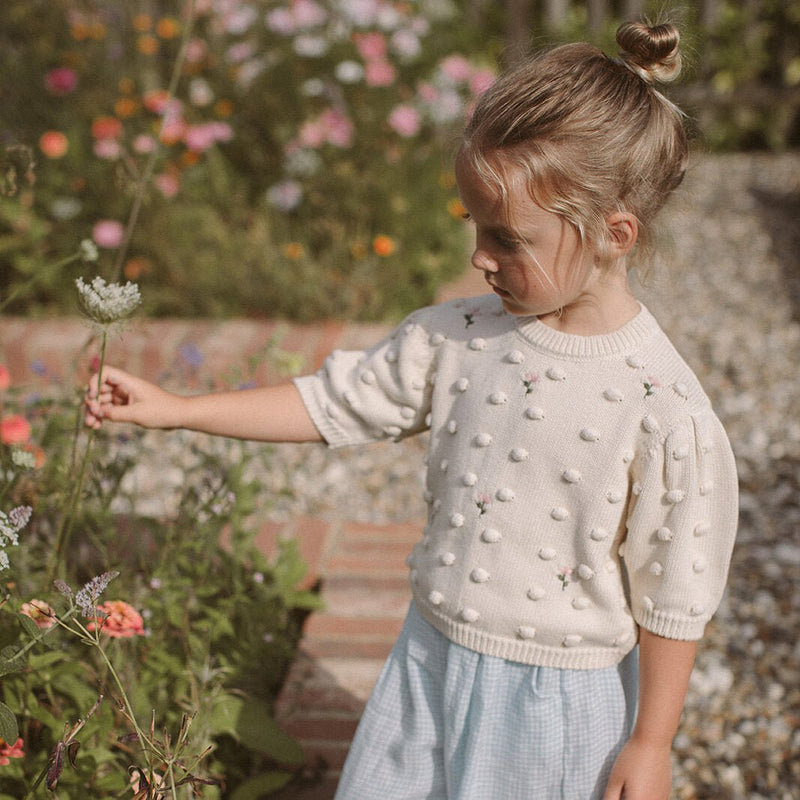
(480,81)
(308,14)
(379,73)
(121,621)
(371,46)
(9,751)
(14,429)
(168,184)
(40,612)
(108,233)
(108,149)
(61,81)
(405,120)
(456,68)
(337,127)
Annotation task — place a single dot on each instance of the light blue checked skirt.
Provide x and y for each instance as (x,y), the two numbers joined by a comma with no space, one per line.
(447,723)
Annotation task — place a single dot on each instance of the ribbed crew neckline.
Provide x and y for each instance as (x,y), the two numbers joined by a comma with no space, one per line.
(569,345)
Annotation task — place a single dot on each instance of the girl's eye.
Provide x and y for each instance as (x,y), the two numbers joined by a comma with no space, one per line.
(506,242)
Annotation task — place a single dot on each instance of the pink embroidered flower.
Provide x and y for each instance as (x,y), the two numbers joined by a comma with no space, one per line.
(483,502)
(40,612)
(529,380)
(650,385)
(564,575)
(9,751)
(121,621)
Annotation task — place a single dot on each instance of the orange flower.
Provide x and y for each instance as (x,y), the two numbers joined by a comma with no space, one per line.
(9,751)
(456,209)
(147,45)
(53,144)
(142,23)
(5,378)
(14,429)
(38,455)
(168,28)
(136,267)
(80,31)
(383,245)
(294,251)
(122,620)
(156,100)
(126,107)
(223,108)
(40,612)
(106,128)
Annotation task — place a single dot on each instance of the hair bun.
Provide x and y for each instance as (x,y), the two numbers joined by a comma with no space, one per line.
(651,52)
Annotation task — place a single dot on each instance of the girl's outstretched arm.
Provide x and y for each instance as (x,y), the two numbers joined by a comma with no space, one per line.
(643,770)
(267,414)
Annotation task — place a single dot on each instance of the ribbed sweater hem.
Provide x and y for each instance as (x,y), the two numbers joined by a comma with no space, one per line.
(524,652)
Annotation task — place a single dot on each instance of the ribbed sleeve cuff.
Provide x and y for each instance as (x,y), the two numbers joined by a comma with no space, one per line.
(671,626)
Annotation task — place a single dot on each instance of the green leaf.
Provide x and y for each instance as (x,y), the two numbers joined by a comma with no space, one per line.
(249,722)
(261,785)
(11,660)
(9,731)
(29,626)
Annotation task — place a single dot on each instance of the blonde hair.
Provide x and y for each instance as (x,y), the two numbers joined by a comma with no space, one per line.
(589,133)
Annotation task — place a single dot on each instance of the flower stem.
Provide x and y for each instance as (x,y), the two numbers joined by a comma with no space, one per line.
(68,519)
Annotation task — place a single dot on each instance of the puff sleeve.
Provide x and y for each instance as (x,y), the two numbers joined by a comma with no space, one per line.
(381,393)
(681,527)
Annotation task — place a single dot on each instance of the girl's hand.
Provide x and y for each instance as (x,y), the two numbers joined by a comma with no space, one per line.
(125,398)
(641,772)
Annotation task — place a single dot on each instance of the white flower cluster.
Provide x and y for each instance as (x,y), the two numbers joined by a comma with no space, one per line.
(106,303)
(10,526)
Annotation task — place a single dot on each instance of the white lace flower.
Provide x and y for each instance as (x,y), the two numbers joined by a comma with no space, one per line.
(23,459)
(89,250)
(10,526)
(106,303)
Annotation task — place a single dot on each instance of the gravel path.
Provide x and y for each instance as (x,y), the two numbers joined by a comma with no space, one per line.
(730,299)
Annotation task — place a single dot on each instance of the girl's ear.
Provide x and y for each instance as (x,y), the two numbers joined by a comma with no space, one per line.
(623,231)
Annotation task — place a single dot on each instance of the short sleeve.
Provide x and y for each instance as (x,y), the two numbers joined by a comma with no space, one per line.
(681,527)
(381,393)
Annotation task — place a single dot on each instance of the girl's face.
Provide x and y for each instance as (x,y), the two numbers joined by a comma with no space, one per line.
(535,263)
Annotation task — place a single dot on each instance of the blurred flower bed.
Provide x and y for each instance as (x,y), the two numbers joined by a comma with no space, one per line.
(282,158)
(143,634)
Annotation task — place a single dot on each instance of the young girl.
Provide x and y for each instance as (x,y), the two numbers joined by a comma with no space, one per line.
(582,494)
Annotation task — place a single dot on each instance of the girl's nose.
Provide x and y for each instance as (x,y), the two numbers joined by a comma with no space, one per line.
(482,261)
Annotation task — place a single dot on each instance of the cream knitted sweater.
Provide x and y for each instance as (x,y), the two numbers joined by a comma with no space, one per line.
(577,487)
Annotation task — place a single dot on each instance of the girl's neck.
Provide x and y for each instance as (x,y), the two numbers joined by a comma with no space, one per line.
(606,307)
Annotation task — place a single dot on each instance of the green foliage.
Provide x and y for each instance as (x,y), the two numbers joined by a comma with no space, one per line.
(188,694)
(291,168)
